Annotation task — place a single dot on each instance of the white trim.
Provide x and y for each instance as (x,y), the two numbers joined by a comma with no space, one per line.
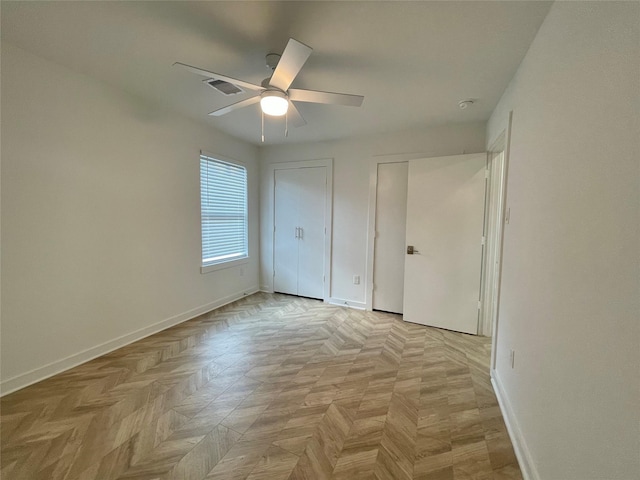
(505,192)
(527,467)
(347,303)
(328,205)
(38,374)
(493,229)
(371,234)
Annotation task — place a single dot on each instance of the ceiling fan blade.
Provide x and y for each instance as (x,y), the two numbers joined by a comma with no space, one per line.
(294,117)
(236,106)
(293,58)
(314,96)
(224,78)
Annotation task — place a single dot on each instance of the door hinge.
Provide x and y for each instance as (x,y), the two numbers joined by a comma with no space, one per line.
(479,304)
(274,273)
(484,240)
(486,173)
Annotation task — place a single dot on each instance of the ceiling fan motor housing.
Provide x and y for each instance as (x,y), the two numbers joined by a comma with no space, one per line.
(272,60)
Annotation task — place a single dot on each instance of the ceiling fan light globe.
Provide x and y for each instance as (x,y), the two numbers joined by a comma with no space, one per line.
(274,103)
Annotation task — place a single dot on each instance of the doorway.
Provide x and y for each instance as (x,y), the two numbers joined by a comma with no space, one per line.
(390,226)
(435,205)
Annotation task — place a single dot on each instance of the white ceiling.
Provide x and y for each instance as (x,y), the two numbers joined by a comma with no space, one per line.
(413,61)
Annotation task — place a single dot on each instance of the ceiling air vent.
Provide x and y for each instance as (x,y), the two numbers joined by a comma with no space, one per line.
(223,87)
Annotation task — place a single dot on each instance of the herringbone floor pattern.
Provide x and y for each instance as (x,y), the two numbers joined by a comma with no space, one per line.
(269,387)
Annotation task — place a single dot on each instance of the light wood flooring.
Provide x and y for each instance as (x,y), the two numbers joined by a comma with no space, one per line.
(269,387)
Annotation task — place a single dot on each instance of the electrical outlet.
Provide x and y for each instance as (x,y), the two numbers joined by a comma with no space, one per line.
(512,358)
(356,279)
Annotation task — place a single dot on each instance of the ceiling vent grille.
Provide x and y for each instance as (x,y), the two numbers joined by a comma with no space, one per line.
(223,87)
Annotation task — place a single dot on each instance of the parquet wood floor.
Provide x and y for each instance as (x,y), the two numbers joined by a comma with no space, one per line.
(269,387)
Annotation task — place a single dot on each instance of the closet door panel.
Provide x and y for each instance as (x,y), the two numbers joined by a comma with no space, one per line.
(285,255)
(312,183)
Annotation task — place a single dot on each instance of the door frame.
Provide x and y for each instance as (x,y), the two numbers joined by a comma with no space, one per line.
(493,230)
(501,143)
(328,214)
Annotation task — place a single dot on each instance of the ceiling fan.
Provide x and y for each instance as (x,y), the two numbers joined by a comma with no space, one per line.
(274,94)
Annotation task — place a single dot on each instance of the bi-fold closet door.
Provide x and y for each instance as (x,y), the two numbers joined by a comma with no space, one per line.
(299,236)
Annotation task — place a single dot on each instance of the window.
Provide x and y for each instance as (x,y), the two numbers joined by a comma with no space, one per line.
(223,209)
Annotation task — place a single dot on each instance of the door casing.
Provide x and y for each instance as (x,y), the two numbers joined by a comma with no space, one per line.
(328,163)
(502,142)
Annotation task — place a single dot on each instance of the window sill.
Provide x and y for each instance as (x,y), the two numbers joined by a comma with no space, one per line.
(221,266)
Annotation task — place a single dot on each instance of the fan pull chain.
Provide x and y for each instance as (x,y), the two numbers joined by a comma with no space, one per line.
(286,124)
(262,121)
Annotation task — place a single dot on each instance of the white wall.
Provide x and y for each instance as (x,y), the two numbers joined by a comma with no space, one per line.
(100,218)
(352,160)
(570,290)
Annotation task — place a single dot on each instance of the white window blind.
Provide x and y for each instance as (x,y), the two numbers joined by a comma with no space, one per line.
(223,199)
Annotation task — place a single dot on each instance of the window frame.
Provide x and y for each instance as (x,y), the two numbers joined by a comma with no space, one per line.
(220,265)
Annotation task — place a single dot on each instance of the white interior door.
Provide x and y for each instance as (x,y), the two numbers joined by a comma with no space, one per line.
(389,249)
(312,183)
(299,237)
(445,214)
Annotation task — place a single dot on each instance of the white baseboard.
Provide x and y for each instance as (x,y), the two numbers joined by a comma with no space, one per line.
(347,303)
(527,466)
(38,374)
